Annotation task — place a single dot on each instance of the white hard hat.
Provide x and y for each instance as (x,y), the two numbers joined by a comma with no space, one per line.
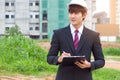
(78,2)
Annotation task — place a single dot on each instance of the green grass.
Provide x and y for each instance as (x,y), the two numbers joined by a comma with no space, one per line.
(111,51)
(22,55)
(106,74)
(43,40)
(118,40)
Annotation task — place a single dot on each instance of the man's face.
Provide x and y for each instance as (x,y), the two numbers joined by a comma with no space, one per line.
(76,18)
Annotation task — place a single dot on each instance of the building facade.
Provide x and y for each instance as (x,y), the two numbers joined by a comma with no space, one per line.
(24,13)
(54,15)
(115,12)
(38,18)
(90,21)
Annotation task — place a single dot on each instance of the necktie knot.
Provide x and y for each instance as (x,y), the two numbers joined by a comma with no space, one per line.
(76,31)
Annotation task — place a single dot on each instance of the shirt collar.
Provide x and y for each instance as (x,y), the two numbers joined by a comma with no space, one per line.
(73,29)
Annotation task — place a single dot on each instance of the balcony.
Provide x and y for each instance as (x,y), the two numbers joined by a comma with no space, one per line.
(34,33)
(34,8)
(34,21)
(9,21)
(10,9)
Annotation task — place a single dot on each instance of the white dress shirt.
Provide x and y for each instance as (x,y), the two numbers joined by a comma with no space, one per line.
(72,28)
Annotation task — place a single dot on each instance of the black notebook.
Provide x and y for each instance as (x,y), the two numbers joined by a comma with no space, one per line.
(69,61)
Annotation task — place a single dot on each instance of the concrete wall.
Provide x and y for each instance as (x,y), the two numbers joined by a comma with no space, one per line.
(108,32)
(2,18)
(22,15)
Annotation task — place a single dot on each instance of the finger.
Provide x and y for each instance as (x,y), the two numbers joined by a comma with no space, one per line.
(80,65)
(83,61)
(76,62)
(68,54)
(64,53)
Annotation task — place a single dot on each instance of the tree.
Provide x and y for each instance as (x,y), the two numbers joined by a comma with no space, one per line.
(13,31)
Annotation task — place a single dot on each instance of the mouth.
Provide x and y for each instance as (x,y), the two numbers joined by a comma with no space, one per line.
(73,20)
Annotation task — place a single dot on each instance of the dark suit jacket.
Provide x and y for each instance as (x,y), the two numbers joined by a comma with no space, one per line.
(89,43)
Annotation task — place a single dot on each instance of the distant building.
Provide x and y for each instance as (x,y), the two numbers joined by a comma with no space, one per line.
(108,32)
(90,21)
(54,15)
(24,13)
(115,12)
(38,18)
(101,18)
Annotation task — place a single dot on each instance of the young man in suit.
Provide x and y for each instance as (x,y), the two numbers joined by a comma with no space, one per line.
(76,40)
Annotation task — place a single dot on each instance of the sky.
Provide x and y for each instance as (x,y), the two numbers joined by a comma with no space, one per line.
(102,5)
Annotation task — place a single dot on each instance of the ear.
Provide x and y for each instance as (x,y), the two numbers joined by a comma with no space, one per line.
(84,15)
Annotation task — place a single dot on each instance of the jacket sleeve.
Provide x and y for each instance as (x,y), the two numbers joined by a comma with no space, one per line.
(52,57)
(99,60)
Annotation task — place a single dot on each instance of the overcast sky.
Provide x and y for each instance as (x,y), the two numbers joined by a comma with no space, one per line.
(102,5)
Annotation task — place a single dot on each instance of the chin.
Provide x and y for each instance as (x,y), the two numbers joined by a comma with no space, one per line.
(73,23)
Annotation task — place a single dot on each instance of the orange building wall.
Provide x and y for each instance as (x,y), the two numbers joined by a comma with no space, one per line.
(113,11)
(107,29)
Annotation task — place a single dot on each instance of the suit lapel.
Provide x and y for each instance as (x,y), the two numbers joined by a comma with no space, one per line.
(69,37)
(83,38)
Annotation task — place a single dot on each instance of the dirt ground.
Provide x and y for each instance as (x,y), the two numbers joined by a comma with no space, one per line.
(46,45)
(109,64)
(116,45)
(19,77)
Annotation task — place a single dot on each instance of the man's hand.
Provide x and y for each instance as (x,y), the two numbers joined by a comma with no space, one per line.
(83,64)
(64,54)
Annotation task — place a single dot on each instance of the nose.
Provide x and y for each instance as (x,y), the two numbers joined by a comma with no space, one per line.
(72,14)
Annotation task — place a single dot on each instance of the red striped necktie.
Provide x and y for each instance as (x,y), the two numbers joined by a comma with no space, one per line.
(76,40)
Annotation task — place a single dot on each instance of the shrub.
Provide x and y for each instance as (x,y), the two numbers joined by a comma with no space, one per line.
(112,51)
(20,54)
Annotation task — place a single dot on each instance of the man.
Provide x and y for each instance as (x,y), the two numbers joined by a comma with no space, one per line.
(76,40)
